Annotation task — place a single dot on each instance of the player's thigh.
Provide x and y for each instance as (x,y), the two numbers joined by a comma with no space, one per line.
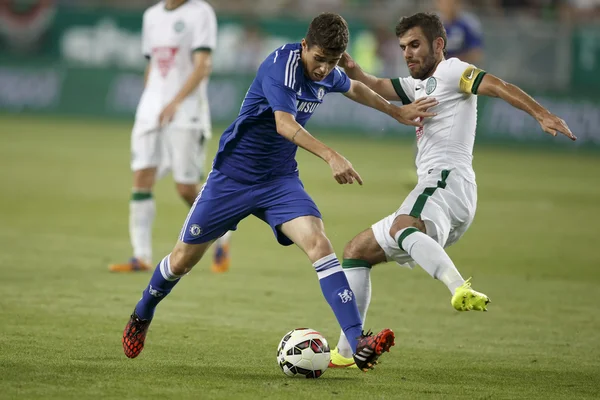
(284,200)
(188,154)
(146,148)
(443,204)
(221,204)
(365,247)
(464,206)
(308,233)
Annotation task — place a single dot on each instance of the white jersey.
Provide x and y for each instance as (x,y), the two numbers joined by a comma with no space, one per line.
(169,37)
(445,142)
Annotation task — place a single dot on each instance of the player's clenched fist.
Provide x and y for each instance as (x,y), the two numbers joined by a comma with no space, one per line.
(342,169)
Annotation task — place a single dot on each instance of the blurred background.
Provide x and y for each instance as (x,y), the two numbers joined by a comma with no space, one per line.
(83,58)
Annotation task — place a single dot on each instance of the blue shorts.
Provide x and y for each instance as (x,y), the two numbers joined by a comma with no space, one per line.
(223,202)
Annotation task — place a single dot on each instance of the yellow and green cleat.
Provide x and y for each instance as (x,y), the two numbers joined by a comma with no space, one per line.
(339,361)
(467,299)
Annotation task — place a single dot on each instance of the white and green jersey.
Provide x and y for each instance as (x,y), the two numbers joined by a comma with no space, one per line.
(169,37)
(445,142)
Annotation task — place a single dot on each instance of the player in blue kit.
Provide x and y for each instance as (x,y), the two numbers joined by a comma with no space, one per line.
(255,173)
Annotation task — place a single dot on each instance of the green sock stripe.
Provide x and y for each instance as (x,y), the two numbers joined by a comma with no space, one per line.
(355,263)
(403,235)
(138,196)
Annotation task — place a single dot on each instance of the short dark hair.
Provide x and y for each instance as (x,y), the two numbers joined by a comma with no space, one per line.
(329,31)
(430,24)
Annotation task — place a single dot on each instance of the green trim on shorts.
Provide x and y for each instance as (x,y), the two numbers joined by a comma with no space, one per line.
(428,192)
(139,196)
(403,235)
(355,263)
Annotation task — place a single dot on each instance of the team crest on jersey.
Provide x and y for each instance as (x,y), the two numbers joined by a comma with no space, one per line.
(179,25)
(195,230)
(321,93)
(431,85)
(165,57)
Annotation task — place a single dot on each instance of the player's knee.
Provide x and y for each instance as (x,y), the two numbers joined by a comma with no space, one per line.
(318,247)
(144,178)
(353,250)
(183,259)
(406,221)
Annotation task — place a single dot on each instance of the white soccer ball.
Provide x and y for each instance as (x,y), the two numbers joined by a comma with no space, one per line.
(303,353)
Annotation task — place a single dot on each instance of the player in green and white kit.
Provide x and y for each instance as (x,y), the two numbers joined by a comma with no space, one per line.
(442,206)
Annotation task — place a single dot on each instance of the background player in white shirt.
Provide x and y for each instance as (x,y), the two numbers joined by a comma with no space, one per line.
(172,121)
(442,206)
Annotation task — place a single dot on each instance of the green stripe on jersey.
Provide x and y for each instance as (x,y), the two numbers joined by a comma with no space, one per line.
(399,91)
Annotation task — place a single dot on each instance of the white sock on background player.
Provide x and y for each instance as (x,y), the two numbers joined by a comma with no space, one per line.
(142,210)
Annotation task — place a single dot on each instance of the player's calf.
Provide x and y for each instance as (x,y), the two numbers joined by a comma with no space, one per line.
(364,247)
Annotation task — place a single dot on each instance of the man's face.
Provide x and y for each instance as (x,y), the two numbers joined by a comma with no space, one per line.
(418,53)
(317,63)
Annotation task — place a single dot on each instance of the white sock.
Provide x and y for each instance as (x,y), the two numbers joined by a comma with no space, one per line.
(224,240)
(141,218)
(359,279)
(430,256)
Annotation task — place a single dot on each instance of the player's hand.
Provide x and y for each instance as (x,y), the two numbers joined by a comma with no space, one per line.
(414,113)
(347,62)
(342,169)
(552,124)
(167,114)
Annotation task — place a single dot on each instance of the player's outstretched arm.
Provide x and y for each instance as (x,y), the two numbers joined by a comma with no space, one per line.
(406,115)
(494,87)
(342,169)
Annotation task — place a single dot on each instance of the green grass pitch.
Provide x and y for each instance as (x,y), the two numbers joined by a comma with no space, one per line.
(533,248)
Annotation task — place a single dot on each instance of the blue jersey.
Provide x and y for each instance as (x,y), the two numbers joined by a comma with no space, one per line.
(250,149)
(464,34)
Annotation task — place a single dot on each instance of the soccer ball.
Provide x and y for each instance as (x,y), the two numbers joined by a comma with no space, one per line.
(303,353)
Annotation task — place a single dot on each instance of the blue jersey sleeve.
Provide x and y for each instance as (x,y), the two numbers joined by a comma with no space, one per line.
(279,80)
(341,82)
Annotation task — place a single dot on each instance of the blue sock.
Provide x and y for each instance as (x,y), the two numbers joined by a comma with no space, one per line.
(337,292)
(161,283)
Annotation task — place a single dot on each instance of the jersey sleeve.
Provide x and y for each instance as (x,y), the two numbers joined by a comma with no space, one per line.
(341,82)
(405,89)
(146,46)
(464,76)
(205,30)
(279,80)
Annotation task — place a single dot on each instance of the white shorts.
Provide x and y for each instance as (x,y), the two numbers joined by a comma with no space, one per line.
(446,206)
(176,149)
